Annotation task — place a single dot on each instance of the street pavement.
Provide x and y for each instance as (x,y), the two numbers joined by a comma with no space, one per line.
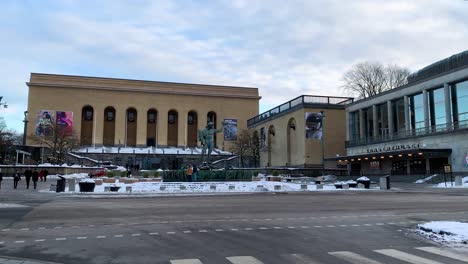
(320,227)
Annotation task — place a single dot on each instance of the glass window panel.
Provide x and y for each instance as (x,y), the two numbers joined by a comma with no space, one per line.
(462,102)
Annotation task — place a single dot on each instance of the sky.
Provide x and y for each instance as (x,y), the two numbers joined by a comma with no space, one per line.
(284,48)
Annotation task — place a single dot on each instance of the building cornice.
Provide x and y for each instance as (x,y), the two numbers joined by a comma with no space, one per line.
(126,85)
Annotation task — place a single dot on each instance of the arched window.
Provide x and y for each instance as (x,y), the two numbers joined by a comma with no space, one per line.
(131,127)
(192,126)
(151,139)
(86,135)
(109,126)
(172,128)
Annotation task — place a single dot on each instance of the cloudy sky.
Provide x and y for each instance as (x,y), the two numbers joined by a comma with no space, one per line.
(285,48)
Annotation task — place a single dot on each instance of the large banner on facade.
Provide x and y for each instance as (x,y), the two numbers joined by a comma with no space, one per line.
(44,123)
(313,127)
(65,122)
(230,129)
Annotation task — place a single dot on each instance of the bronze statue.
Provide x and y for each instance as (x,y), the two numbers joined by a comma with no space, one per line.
(206,138)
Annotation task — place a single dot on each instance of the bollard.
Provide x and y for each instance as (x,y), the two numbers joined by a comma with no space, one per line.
(277,187)
(345,186)
(360,186)
(128,189)
(162,188)
(106,188)
(303,186)
(182,187)
(458,181)
(320,186)
(231,187)
(71,184)
(213,187)
(385,183)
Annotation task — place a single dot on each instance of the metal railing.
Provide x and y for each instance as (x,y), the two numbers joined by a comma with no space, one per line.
(301,100)
(442,128)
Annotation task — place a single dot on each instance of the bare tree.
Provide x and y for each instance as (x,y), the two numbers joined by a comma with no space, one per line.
(370,78)
(247,146)
(58,141)
(7,139)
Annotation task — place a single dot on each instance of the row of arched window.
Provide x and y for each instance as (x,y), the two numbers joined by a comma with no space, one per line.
(108,139)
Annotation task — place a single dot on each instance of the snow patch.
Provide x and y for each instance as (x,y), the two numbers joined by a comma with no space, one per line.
(445,232)
(426,179)
(452,184)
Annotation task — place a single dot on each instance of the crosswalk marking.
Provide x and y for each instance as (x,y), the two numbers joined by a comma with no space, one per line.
(299,259)
(406,256)
(186,261)
(445,253)
(353,257)
(244,260)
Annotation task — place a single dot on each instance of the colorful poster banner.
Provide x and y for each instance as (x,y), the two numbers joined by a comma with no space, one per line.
(44,123)
(313,127)
(230,129)
(65,122)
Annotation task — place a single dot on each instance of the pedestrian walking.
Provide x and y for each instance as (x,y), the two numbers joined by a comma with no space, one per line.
(46,172)
(27,175)
(195,173)
(35,178)
(189,173)
(1,178)
(41,175)
(16,179)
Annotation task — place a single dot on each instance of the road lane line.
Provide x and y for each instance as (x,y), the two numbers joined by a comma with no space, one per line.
(19,241)
(136,235)
(39,240)
(234,229)
(277,227)
(445,253)
(203,231)
(81,237)
(299,259)
(118,235)
(170,233)
(353,257)
(61,238)
(219,230)
(187,231)
(24,229)
(244,260)
(186,261)
(154,233)
(6,229)
(406,256)
(100,237)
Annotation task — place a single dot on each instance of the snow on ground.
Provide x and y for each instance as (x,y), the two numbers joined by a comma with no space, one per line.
(426,179)
(69,176)
(208,187)
(5,205)
(452,184)
(445,232)
(149,150)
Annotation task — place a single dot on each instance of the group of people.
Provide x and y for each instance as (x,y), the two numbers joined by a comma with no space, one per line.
(29,175)
(192,173)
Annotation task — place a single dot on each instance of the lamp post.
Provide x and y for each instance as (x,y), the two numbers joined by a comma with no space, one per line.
(323,145)
(25,127)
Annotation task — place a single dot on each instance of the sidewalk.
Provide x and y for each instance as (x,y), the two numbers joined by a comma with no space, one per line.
(10,260)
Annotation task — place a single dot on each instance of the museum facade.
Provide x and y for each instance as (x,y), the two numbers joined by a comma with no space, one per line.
(291,134)
(135,113)
(417,128)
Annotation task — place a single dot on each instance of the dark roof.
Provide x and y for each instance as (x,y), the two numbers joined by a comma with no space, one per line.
(439,67)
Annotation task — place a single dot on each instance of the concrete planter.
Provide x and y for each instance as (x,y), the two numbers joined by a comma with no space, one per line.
(98,182)
(108,180)
(87,186)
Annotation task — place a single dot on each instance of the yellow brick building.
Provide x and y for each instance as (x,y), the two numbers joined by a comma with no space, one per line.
(136,113)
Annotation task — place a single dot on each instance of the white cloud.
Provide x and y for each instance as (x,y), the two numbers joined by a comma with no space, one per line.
(284,48)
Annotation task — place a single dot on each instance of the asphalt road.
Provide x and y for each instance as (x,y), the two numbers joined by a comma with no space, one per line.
(346,227)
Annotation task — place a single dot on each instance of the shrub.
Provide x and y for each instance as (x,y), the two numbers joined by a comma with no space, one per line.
(255,173)
(156,174)
(275,173)
(145,174)
(123,173)
(110,174)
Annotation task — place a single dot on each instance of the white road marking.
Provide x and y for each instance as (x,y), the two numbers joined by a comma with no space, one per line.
(353,257)
(19,241)
(330,226)
(187,231)
(118,235)
(317,226)
(100,237)
(75,226)
(136,235)
(248,228)
(154,233)
(368,224)
(406,256)
(170,233)
(57,227)
(379,224)
(355,225)
(186,261)
(263,228)
(2,242)
(445,253)
(305,227)
(203,231)
(61,238)
(5,230)
(244,260)
(277,227)
(291,227)
(41,228)
(343,225)
(299,259)
(219,230)
(81,237)
(39,240)
(234,229)
(24,229)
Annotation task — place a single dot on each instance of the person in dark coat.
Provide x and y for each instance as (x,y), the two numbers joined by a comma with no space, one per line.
(35,178)
(46,172)
(195,173)
(27,175)
(1,178)
(16,179)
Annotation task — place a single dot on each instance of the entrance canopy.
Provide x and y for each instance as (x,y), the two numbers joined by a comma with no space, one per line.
(426,153)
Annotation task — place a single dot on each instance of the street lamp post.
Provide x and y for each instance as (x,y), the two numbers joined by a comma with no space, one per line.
(323,145)
(25,127)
